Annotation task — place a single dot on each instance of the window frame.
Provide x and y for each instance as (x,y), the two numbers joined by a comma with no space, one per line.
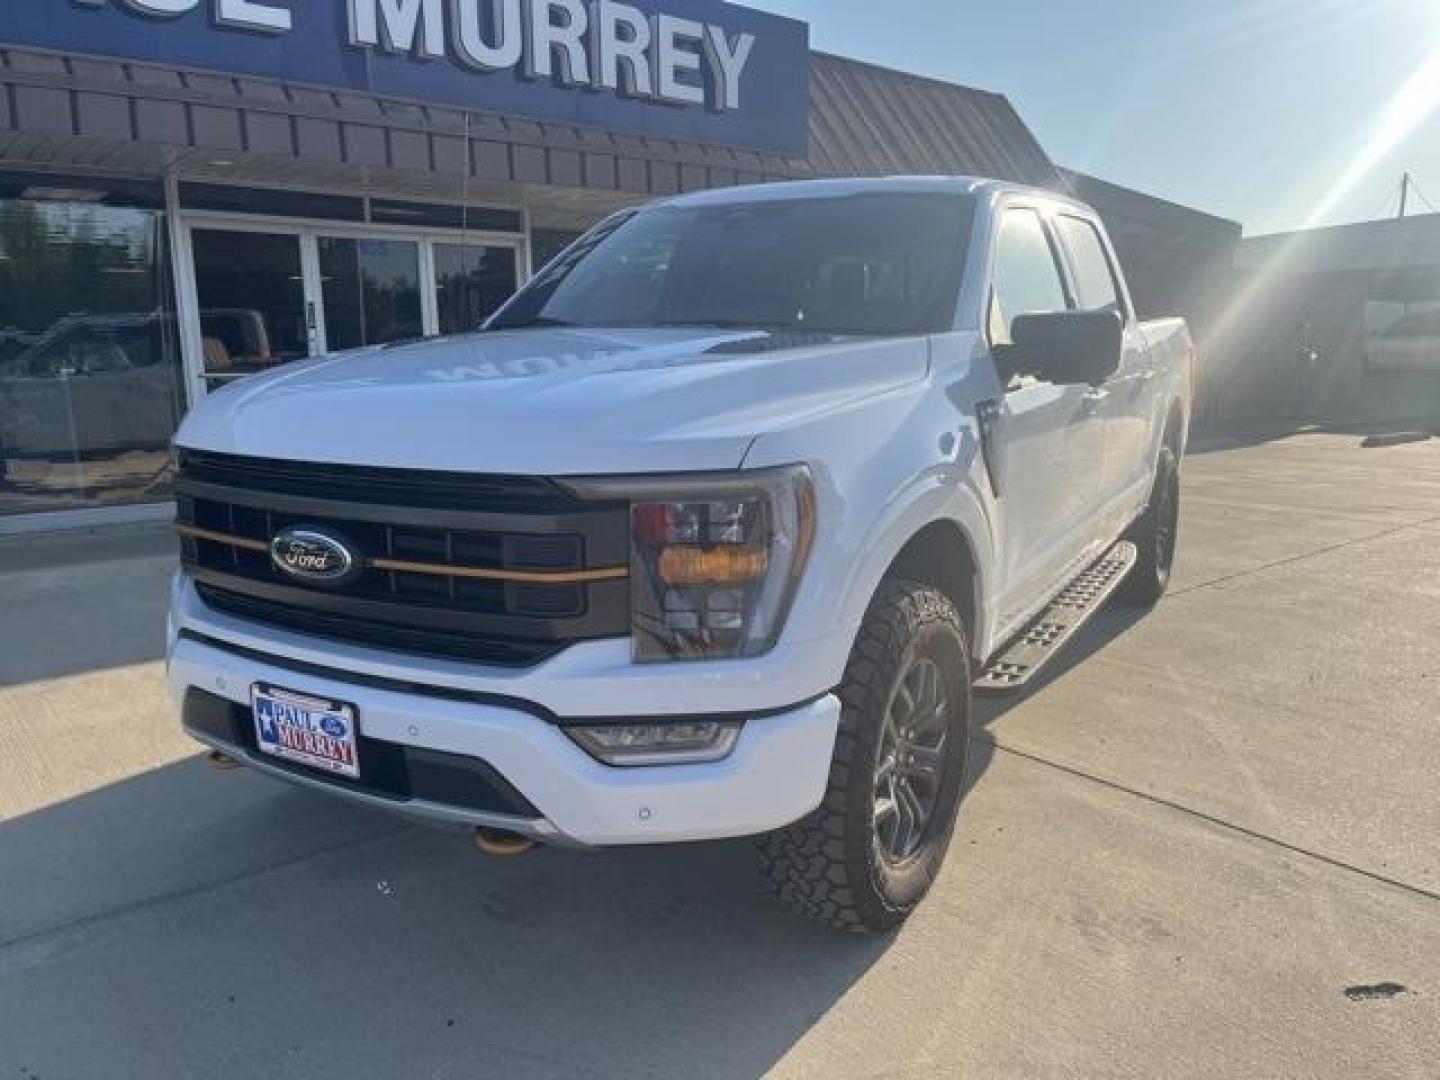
(1052,240)
(1117,282)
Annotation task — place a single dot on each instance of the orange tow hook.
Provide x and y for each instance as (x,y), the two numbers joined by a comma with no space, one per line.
(502,844)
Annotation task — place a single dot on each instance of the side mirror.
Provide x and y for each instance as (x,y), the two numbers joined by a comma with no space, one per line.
(1069,346)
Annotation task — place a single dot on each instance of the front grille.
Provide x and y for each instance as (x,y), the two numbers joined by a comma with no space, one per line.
(512,570)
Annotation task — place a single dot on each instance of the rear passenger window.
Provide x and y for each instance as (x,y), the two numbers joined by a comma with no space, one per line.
(1094,278)
(1026,278)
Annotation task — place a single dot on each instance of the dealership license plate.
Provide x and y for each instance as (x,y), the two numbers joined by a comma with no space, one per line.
(306,730)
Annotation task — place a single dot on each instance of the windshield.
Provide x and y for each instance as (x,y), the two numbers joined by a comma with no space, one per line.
(856,264)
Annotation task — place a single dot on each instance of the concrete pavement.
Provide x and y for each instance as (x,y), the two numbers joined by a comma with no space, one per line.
(1178,854)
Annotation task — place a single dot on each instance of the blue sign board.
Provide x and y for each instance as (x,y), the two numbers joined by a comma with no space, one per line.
(698,70)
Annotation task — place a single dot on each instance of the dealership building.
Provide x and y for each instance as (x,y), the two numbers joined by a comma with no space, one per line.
(1338,325)
(192,191)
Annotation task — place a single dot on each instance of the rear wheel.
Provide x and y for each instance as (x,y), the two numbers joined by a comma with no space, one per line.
(1155,533)
(868,855)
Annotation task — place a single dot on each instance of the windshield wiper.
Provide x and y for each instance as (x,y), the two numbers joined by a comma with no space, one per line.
(536,323)
(759,325)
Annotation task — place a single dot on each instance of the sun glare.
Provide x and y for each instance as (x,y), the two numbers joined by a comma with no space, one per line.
(1416,99)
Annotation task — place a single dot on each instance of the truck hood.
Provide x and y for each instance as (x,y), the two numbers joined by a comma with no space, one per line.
(551,401)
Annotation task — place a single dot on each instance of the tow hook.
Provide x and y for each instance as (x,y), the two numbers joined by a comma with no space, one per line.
(502,844)
(224,762)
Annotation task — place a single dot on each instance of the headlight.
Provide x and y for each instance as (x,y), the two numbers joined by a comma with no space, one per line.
(714,559)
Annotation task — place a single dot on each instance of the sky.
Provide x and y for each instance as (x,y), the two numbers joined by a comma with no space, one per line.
(1279,114)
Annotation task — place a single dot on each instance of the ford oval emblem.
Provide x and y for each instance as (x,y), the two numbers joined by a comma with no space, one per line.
(333,726)
(314,555)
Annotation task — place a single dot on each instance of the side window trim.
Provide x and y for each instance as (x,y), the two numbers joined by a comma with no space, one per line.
(1062,261)
(1116,283)
(1057,254)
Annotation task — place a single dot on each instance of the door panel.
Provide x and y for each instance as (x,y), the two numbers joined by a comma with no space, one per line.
(1130,415)
(1051,443)
(1053,435)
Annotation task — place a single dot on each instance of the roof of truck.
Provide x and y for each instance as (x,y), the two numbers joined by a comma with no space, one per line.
(836,188)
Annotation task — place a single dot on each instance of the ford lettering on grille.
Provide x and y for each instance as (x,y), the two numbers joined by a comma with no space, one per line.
(312,555)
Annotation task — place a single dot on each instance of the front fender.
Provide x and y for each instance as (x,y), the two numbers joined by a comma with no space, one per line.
(933,501)
(885,470)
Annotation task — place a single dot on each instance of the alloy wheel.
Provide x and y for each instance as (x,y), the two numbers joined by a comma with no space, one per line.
(910,764)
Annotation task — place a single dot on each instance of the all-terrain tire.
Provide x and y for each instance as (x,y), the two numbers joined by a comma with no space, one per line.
(831,866)
(1155,534)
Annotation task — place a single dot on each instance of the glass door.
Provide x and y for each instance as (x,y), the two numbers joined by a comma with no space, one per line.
(371,291)
(266,293)
(471,282)
(252,297)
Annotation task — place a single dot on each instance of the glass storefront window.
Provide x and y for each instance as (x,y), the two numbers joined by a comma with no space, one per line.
(91,387)
(252,301)
(371,290)
(471,283)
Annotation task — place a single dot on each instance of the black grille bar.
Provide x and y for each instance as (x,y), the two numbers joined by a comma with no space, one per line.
(414,488)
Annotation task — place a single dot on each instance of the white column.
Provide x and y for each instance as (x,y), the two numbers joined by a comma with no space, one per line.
(187,300)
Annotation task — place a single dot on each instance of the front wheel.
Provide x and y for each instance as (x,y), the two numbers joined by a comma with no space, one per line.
(867,856)
(1154,534)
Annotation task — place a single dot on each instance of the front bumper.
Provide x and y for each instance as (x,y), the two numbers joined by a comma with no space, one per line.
(776,774)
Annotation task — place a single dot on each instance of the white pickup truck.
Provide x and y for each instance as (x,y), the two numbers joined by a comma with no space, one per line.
(710,532)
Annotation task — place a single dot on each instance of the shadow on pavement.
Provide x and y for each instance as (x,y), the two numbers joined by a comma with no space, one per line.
(188,922)
(73,604)
(1114,620)
(1211,440)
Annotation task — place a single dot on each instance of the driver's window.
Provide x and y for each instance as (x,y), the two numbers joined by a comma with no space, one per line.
(1026,278)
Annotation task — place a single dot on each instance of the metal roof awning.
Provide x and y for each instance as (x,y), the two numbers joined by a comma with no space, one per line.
(71,112)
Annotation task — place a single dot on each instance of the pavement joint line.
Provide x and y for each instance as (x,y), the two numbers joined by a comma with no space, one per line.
(1227,482)
(1254,691)
(1229,502)
(1289,559)
(1230,826)
(215,885)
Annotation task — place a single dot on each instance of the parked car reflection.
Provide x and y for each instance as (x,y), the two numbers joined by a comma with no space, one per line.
(1410,343)
(92,385)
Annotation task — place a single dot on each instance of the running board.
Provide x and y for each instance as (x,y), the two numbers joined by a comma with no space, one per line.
(1032,648)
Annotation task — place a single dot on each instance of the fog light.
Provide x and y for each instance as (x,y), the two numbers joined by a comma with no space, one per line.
(678,742)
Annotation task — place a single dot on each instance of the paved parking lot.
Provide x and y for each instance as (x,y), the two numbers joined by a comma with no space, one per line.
(1208,845)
